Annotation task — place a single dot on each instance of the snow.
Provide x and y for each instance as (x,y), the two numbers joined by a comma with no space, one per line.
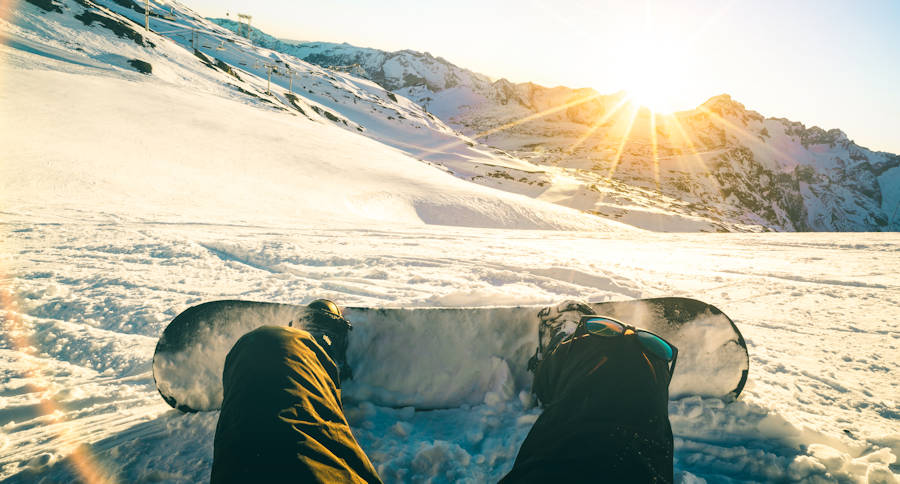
(821,364)
(125,199)
(323,162)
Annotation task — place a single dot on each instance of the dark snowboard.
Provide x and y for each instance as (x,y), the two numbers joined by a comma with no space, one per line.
(432,358)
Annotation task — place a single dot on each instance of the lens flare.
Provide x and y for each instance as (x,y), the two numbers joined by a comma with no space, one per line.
(66,434)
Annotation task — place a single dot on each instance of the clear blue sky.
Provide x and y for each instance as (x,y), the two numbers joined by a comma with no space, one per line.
(835,64)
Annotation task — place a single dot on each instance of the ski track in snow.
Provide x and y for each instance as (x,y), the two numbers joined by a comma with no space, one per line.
(91,298)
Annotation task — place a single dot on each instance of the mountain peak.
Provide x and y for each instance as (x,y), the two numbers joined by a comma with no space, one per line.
(723,105)
(722,102)
(722,97)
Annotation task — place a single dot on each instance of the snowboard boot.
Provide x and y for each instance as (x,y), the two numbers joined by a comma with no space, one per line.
(557,324)
(326,323)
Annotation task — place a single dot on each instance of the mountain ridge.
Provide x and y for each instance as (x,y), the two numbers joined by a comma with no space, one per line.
(734,167)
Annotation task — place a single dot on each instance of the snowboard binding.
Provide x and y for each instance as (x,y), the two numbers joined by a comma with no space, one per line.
(557,323)
(327,324)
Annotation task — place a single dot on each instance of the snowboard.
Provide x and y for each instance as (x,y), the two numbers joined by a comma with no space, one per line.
(433,358)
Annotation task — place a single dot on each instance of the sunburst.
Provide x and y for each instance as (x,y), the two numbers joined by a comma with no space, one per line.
(620,150)
(686,140)
(512,124)
(741,132)
(654,149)
(596,125)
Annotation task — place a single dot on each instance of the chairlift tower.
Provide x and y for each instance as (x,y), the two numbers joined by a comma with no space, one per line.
(289,73)
(244,20)
(270,68)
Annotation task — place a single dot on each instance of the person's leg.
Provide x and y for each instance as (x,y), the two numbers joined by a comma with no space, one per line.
(605,416)
(281,418)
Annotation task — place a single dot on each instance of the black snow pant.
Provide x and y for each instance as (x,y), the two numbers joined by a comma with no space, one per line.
(605,418)
(282,420)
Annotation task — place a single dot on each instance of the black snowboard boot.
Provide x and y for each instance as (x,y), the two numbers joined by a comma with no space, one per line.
(557,324)
(326,323)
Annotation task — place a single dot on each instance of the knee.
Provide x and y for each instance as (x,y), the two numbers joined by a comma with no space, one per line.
(269,349)
(267,344)
(271,336)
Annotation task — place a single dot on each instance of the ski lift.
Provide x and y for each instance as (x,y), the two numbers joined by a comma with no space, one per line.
(170,15)
(221,45)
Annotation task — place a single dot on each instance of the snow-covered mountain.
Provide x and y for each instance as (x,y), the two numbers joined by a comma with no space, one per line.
(392,70)
(720,166)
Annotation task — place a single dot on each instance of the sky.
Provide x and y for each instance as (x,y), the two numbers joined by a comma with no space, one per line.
(833,64)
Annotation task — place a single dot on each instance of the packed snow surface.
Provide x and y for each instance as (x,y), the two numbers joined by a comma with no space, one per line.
(88,298)
(125,199)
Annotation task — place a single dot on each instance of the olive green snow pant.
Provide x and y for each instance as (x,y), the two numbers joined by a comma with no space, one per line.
(281,418)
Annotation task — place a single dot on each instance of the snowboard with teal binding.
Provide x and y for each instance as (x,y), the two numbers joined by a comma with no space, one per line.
(432,358)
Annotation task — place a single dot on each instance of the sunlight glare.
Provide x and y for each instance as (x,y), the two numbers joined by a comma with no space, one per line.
(653,71)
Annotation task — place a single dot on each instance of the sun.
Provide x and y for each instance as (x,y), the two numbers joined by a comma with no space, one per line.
(652,96)
(652,71)
(650,83)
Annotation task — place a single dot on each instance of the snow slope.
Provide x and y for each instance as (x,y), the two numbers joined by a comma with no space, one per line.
(194,161)
(278,80)
(173,134)
(125,198)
